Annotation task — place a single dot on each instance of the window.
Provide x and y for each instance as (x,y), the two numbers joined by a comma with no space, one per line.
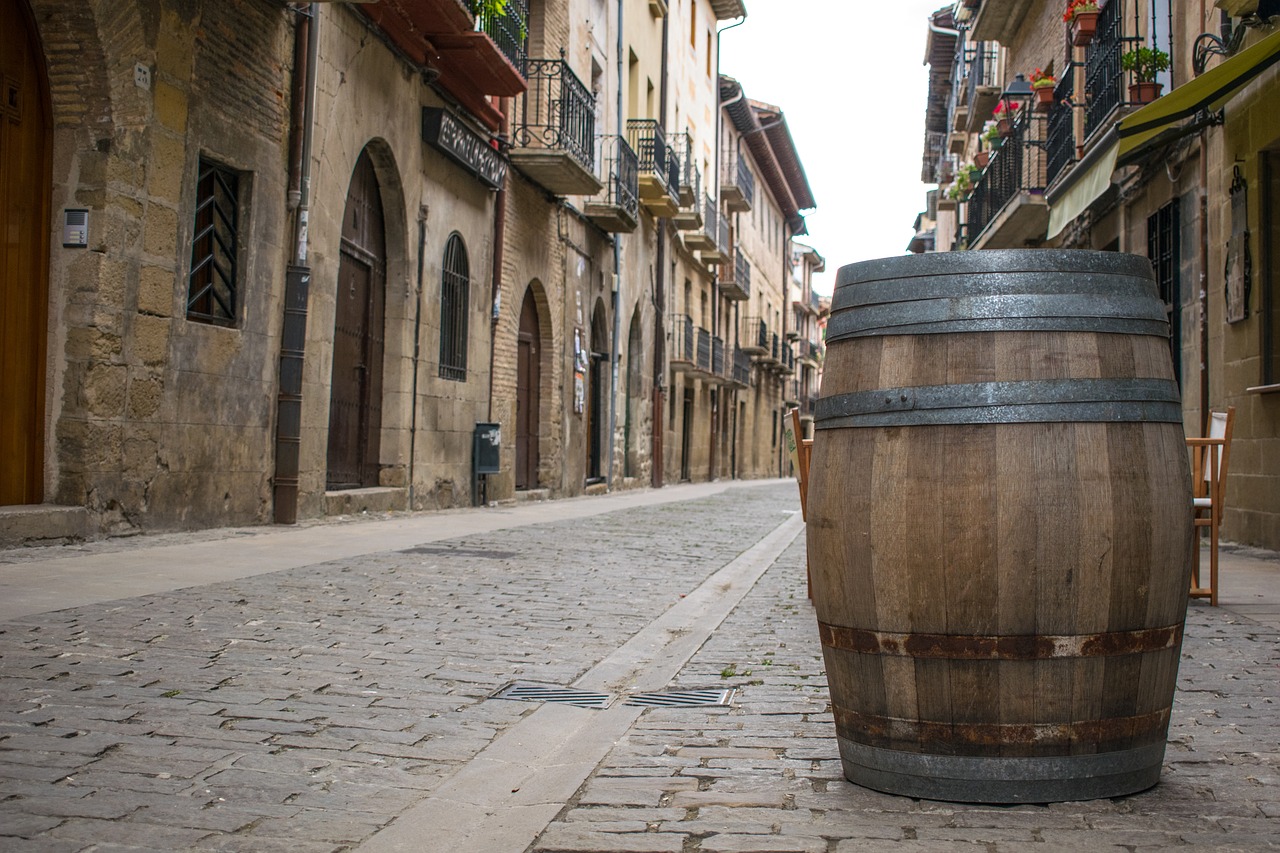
(708,53)
(212,285)
(693,25)
(455,286)
(1162,249)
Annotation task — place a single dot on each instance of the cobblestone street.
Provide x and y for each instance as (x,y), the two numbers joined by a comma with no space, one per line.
(328,706)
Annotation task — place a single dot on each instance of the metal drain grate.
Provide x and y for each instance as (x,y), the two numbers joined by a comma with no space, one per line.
(447,551)
(551,693)
(681,699)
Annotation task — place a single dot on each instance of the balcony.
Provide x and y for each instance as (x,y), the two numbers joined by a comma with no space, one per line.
(755,336)
(791,393)
(704,238)
(786,359)
(1060,146)
(553,140)
(999,20)
(475,54)
(717,357)
(1104,77)
(619,212)
(690,175)
(741,368)
(1007,208)
(737,184)
(684,341)
(771,355)
(807,404)
(693,204)
(659,167)
(808,354)
(983,86)
(735,281)
(718,252)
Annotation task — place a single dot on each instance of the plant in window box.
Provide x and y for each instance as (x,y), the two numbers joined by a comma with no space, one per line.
(1145,63)
(963,184)
(991,135)
(1042,87)
(1082,19)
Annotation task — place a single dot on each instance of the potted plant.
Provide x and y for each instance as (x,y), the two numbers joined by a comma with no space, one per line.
(981,159)
(1145,63)
(1042,86)
(991,135)
(1082,18)
(1004,115)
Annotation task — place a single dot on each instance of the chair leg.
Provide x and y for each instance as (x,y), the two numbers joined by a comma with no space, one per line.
(1213,564)
(1195,560)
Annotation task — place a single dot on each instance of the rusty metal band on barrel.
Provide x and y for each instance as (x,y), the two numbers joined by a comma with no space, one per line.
(999,646)
(1033,401)
(872,729)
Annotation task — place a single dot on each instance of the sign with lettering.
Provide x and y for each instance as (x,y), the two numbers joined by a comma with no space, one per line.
(446,133)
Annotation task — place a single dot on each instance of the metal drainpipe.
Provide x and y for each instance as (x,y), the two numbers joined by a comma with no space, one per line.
(423,210)
(617,285)
(293,333)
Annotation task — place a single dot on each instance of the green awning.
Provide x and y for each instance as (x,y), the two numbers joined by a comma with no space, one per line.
(1207,92)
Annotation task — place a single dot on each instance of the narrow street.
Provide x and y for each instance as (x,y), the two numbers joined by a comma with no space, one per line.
(332,688)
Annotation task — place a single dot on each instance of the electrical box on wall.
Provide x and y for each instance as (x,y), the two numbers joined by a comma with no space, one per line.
(75,228)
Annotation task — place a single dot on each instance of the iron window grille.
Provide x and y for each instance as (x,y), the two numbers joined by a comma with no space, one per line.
(509,29)
(455,287)
(212,287)
(557,112)
(1163,233)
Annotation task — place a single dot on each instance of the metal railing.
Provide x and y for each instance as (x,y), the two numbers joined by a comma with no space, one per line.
(755,335)
(1060,131)
(653,153)
(557,111)
(622,182)
(717,355)
(1103,72)
(741,367)
(1017,166)
(683,338)
(983,67)
(690,181)
(741,271)
(704,349)
(509,29)
(737,174)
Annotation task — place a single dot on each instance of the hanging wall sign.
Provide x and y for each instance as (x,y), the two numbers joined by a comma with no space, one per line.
(447,134)
(1238,270)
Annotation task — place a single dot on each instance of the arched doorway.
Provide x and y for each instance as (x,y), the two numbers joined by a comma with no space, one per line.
(24,253)
(631,457)
(355,402)
(597,395)
(528,378)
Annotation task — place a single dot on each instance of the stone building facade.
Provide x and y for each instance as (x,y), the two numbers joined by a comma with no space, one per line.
(284,260)
(1184,175)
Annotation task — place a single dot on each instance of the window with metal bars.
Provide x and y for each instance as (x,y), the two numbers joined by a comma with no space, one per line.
(1163,250)
(213,286)
(455,287)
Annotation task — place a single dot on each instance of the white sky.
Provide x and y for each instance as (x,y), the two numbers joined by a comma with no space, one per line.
(851,80)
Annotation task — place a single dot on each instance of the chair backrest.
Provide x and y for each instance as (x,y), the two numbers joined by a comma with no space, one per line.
(1220,428)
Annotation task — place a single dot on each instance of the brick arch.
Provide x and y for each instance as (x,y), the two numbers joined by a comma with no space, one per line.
(83,43)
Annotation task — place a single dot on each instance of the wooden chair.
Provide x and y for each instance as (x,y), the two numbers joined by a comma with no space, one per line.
(803,450)
(1209,458)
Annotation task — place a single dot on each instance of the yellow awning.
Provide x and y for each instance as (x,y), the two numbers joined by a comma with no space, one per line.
(1207,92)
(1083,191)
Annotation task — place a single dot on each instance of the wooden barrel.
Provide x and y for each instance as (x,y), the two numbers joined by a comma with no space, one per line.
(999,524)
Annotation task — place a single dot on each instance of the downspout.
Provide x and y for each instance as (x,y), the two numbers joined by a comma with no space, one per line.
(659,290)
(731,404)
(423,210)
(617,290)
(293,332)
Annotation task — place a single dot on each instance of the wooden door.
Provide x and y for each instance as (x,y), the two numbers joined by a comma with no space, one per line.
(355,401)
(528,378)
(686,434)
(24,252)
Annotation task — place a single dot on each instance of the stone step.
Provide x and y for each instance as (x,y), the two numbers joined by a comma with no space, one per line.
(43,524)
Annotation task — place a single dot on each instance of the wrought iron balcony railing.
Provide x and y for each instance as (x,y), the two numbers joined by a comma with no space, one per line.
(1017,166)
(554,118)
(1103,73)
(690,181)
(755,336)
(509,29)
(704,350)
(737,184)
(684,341)
(619,211)
(1061,136)
(659,167)
(741,367)
(717,355)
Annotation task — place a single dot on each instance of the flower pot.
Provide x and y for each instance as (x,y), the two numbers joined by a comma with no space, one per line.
(981,159)
(1144,92)
(1044,98)
(1004,127)
(1083,27)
